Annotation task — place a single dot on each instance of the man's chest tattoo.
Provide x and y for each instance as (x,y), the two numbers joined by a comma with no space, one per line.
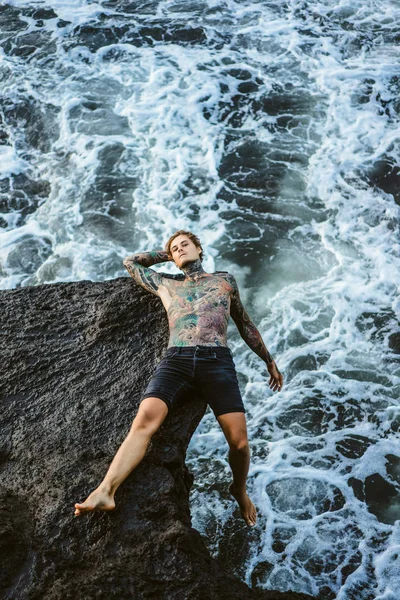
(198,312)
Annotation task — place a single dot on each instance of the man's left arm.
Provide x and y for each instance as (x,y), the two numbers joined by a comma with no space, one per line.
(252,336)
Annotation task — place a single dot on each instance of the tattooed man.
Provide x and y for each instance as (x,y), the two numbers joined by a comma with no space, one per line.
(198,306)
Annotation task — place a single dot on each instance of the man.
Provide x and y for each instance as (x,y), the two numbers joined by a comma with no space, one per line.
(198,306)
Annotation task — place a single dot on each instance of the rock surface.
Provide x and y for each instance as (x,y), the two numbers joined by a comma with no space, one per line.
(75,359)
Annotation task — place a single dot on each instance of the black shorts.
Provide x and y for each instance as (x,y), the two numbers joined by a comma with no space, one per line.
(205,370)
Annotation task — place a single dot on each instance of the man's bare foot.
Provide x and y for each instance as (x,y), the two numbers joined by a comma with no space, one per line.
(246,506)
(100,499)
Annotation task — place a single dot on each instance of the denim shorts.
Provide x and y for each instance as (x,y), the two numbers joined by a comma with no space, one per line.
(208,371)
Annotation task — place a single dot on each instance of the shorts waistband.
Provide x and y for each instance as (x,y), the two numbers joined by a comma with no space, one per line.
(200,350)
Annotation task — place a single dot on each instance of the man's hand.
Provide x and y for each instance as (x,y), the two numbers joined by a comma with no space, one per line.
(276,380)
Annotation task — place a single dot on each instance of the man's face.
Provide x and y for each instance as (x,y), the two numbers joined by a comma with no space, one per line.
(183,250)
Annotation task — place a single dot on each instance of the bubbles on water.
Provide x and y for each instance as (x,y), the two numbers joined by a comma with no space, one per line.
(28,255)
(304,498)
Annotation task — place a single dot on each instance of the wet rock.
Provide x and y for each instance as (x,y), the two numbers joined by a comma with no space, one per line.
(61,23)
(309,418)
(393,467)
(394,342)
(183,34)
(75,359)
(285,99)
(22,195)
(385,175)
(382,499)
(30,43)
(4,137)
(94,36)
(380,496)
(10,21)
(354,446)
(39,121)
(261,572)
(41,13)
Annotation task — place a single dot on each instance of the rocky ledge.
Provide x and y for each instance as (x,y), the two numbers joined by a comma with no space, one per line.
(75,358)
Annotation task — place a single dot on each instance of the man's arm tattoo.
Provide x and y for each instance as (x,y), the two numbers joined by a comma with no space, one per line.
(137,266)
(246,327)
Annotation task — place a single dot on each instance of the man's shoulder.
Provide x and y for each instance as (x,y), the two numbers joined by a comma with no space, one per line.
(224,273)
(228,277)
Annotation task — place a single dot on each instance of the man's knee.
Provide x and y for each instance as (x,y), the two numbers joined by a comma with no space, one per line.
(151,414)
(239,444)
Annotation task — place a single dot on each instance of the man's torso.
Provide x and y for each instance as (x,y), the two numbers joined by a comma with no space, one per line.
(198,311)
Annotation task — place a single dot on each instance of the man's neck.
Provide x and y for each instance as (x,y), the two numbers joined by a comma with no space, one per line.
(193,269)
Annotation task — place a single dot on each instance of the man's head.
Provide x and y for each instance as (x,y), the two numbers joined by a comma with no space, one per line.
(183,247)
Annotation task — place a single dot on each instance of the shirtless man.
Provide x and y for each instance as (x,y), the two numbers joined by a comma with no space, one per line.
(198,306)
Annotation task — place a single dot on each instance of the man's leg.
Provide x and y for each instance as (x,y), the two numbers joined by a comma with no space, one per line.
(151,414)
(234,427)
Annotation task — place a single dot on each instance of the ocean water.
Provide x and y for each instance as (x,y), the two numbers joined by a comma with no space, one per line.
(271,130)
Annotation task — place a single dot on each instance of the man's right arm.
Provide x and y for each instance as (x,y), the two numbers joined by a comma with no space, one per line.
(137,266)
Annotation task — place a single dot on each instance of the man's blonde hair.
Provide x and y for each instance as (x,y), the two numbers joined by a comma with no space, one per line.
(190,235)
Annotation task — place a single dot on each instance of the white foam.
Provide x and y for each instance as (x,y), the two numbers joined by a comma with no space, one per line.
(10,162)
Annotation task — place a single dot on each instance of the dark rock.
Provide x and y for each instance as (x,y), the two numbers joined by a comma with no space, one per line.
(393,467)
(76,358)
(380,496)
(94,36)
(4,136)
(308,418)
(382,499)
(61,23)
(176,35)
(15,531)
(33,42)
(385,175)
(38,120)
(10,21)
(354,446)
(20,194)
(394,342)
(42,13)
